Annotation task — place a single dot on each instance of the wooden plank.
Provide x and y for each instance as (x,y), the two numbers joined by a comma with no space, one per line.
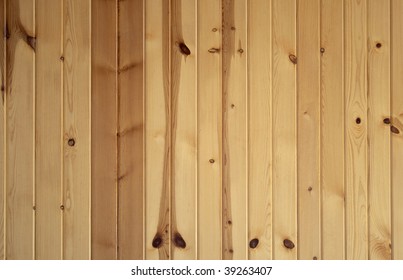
(308,87)
(379,132)
(20,126)
(2,127)
(103,130)
(48,130)
(184,129)
(332,131)
(209,125)
(131,130)
(259,129)
(234,130)
(397,121)
(355,70)
(284,130)
(158,131)
(77,142)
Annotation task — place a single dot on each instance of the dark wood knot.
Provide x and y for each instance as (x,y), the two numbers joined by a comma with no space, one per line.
(288,244)
(62,207)
(293,58)
(179,241)
(394,129)
(322,50)
(310,189)
(253,243)
(214,50)
(386,121)
(315,258)
(378,45)
(184,49)
(358,120)
(71,142)
(31,41)
(211,160)
(157,241)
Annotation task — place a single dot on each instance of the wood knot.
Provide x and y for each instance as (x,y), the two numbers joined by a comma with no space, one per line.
(179,241)
(253,243)
(62,58)
(310,189)
(358,120)
(322,50)
(3,88)
(34,207)
(184,49)
(293,58)
(214,50)
(288,244)
(214,29)
(378,45)
(229,222)
(386,121)
(62,207)
(240,51)
(315,258)
(71,142)
(394,129)
(157,241)
(211,160)
(6,32)
(31,41)
(231,251)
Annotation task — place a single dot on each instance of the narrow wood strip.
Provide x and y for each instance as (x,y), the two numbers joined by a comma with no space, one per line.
(2,128)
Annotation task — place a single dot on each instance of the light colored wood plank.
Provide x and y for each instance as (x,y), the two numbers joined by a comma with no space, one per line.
(184,129)
(104,131)
(158,132)
(260,129)
(284,130)
(234,130)
(308,88)
(209,125)
(355,70)
(332,131)
(130,126)
(2,127)
(379,132)
(76,140)
(397,121)
(20,90)
(48,130)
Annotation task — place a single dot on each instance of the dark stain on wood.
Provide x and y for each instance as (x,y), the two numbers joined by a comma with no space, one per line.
(386,121)
(293,58)
(253,243)
(184,49)
(6,32)
(394,129)
(179,241)
(157,241)
(288,244)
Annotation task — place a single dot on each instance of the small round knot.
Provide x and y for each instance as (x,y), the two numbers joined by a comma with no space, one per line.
(214,29)
(358,120)
(322,50)
(310,189)
(211,160)
(386,121)
(157,241)
(253,243)
(61,207)
(71,142)
(378,45)
(288,244)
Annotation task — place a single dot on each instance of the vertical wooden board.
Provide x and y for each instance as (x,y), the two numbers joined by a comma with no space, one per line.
(184,129)
(158,133)
(104,129)
(130,126)
(308,87)
(76,142)
(332,131)
(355,72)
(259,129)
(20,90)
(284,130)
(234,108)
(379,132)
(397,121)
(209,130)
(2,126)
(48,132)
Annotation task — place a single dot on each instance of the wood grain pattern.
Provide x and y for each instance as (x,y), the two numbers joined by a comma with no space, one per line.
(3,147)
(356,122)
(397,120)
(379,132)
(130,129)
(259,128)
(76,138)
(209,133)
(48,132)
(104,130)
(234,135)
(332,131)
(308,87)
(184,129)
(284,129)
(20,125)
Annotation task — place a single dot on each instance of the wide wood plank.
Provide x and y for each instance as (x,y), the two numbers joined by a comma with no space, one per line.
(48,130)
(284,130)
(184,129)
(20,127)
(104,130)
(332,131)
(209,130)
(76,136)
(2,126)
(259,129)
(356,168)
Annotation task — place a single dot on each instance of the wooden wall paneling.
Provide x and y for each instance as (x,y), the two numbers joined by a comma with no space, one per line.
(259,129)
(308,157)
(104,130)
(332,131)
(209,125)
(130,130)
(184,129)
(234,134)
(397,122)
(284,130)
(379,198)
(158,131)
(76,139)
(356,168)
(48,130)
(20,128)
(2,127)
